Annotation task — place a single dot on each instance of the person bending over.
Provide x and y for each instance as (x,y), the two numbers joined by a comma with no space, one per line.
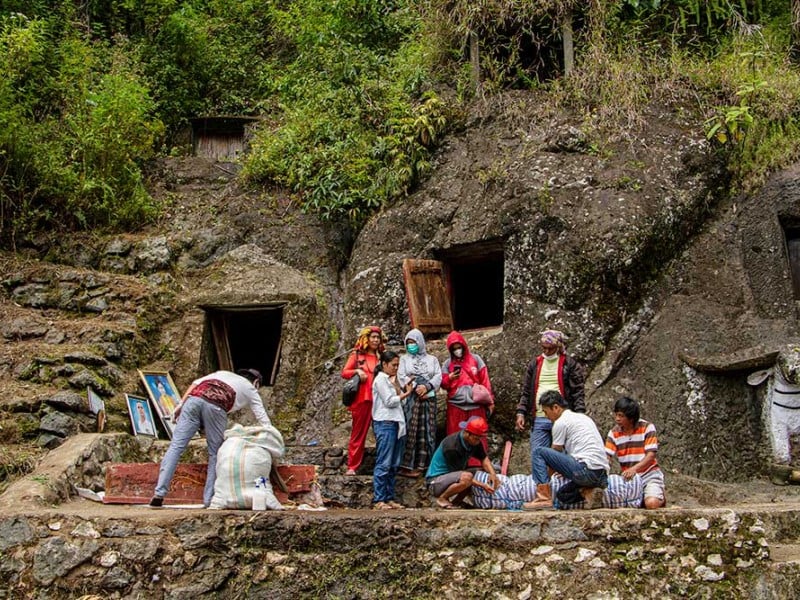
(578,454)
(447,478)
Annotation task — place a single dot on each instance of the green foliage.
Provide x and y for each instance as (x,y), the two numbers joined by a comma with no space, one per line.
(354,125)
(755,125)
(355,95)
(75,120)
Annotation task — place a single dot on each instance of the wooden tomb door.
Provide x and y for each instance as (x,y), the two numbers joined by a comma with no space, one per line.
(426,293)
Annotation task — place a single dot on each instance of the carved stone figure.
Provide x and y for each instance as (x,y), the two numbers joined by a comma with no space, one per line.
(782,410)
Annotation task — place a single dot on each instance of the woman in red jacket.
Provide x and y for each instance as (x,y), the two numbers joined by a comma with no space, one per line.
(362,362)
(460,373)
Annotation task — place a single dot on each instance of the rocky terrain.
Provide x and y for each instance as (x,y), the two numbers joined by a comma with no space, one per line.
(624,239)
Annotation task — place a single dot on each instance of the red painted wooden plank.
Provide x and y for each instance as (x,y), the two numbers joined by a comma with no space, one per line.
(133,483)
(506,458)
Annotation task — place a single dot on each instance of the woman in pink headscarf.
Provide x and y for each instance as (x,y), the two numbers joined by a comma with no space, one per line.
(553,369)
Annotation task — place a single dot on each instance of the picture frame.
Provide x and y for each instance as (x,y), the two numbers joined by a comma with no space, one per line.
(142,421)
(97,407)
(164,395)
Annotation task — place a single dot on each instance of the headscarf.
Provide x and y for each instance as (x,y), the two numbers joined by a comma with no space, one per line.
(362,343)
(421,364)
(416,335)
(555,338)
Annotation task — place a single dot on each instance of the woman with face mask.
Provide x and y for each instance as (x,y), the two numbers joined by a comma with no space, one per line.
(554,370)
(424,371)
(460,373)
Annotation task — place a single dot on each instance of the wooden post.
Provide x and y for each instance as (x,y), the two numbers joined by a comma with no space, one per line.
(566,37)
(506,458)
(794,48)
(475,61)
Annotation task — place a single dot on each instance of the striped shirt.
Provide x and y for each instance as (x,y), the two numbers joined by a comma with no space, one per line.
(632,448)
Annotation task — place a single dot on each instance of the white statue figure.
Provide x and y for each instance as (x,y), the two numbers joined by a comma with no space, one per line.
(782,409)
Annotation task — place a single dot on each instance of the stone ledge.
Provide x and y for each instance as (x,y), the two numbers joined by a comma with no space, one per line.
(124,551)
(57,547)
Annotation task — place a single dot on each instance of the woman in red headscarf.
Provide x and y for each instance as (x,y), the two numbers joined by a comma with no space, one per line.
(362,362)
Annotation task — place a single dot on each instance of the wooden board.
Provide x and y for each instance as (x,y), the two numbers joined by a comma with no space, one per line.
(428,300)
(133,483)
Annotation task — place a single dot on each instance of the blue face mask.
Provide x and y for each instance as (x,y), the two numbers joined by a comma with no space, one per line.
(412,348)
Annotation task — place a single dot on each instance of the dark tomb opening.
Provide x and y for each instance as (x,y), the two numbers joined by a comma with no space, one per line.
(793,250)
(243,337)
(474,276)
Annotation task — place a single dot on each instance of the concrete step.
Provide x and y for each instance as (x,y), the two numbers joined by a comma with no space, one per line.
(356,491)
(353,491)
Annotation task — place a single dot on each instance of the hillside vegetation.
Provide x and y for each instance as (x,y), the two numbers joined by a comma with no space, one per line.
(356,94)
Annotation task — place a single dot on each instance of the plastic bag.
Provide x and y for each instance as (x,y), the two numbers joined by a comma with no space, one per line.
(481,395)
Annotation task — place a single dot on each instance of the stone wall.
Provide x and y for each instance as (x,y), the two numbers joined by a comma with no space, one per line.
(420,554)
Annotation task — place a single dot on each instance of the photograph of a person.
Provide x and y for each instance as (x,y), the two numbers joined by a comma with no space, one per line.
(164,394)
(97,407)
(141,416)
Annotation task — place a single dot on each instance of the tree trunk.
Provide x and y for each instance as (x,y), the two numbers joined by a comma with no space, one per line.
(566,37)
(794,51)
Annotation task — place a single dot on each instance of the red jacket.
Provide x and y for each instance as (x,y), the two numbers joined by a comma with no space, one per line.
(367,362)
(473,370)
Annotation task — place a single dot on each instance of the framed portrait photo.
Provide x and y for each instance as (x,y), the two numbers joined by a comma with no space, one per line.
(142,420)
(164,395)
(97,407)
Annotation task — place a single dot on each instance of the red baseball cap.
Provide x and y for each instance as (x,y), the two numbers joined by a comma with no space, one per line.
(476,426)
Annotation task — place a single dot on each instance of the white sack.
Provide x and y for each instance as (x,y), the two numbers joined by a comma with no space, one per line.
(245,456)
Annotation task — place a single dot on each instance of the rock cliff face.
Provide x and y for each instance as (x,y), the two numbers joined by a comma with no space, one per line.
(624,241)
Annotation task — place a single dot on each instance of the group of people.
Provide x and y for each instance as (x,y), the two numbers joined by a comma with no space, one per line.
(397,397)
(568,453)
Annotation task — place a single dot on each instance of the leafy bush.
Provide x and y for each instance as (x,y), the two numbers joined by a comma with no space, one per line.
(752,97)
(354,94)
(75,120)
(355,123)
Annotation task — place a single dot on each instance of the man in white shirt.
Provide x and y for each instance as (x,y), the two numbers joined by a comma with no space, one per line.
(206,404)
(578,453)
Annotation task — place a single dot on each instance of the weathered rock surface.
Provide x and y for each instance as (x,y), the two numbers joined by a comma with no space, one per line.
(424,554)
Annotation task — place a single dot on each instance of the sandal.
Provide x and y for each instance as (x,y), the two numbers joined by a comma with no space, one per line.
(382,506)
(444,504)
(394,504)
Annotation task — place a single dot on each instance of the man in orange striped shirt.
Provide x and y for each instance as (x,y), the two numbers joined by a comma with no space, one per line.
(635,444)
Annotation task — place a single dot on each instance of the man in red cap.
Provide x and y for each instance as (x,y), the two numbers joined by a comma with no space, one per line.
(447,477)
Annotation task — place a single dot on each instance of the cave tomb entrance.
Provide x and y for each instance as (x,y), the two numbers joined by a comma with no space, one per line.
(243,337)
(462,289)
